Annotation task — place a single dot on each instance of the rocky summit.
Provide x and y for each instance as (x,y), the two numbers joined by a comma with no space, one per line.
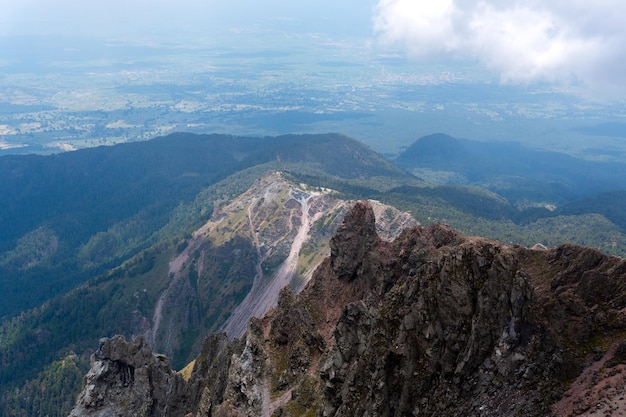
(432,323)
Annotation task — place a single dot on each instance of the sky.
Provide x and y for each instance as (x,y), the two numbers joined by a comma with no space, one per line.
(570,43)
(115,17)
(574,45)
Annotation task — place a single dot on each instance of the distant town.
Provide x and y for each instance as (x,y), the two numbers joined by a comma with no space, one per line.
(101,93)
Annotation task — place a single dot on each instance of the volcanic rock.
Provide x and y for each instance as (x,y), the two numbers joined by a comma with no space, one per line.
(433,323)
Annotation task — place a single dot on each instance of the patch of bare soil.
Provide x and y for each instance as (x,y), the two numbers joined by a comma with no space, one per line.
(598,391)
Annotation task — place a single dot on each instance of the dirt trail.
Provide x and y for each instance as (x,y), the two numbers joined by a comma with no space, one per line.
(255,240)
(264,293)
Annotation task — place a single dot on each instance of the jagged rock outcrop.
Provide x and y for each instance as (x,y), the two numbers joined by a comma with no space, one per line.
(433,323)
(127,379)
(274,234)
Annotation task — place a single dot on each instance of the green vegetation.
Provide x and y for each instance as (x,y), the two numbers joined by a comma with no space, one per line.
(94,262)
(510,169)
(610,205)
(304,401)
(52,393)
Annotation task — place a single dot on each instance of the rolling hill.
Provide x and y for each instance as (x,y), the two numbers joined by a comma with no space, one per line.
(510,169)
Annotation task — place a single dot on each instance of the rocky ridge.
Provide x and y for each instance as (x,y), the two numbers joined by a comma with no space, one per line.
(432,323)
(274,234)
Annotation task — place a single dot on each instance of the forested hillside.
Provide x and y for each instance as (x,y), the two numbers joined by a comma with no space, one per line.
(87,238)
(510,169)
(120,258)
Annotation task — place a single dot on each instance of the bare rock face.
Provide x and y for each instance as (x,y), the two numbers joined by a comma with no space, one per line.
(127,379)
(451,325)
(440,341)
(274,234)
(353,241)
(433,323)
(211,372)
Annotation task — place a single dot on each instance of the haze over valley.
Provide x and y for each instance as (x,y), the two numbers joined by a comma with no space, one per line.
(280,71)
(381,207)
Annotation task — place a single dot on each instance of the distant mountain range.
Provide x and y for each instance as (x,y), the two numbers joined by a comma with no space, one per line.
(510,169)
(186,234)
(541,184)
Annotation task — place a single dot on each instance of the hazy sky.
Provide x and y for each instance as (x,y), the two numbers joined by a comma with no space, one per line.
(570,43)
(123,17)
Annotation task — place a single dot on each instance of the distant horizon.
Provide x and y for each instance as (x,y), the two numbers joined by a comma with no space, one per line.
(575,45)
(76,74)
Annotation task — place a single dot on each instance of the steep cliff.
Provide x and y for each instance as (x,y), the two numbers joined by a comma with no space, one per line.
(232,268)
(432,323)
(127,379)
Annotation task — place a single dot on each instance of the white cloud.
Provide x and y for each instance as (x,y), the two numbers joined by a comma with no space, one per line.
(569,42)
(405,21)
